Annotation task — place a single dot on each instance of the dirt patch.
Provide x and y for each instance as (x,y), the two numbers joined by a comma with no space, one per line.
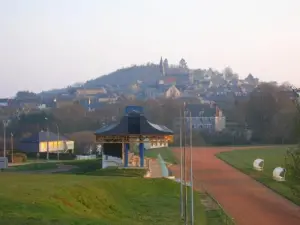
(245,199)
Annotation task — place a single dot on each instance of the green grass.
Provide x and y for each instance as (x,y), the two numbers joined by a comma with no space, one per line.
(33,166)
(166,153)
(274,157)
(88,200)
(115,172)
(83,165)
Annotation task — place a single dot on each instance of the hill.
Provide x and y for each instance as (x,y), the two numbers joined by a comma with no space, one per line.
(89,200)
(149,73)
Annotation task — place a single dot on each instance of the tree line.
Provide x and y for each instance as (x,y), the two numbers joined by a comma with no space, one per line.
(269,113)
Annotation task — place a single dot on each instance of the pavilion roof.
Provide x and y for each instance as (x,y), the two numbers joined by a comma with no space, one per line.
(135,123)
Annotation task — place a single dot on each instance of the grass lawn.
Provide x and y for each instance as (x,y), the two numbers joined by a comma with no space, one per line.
(274,157)
(59,199)
(83,165)
(33,166)
(166,153)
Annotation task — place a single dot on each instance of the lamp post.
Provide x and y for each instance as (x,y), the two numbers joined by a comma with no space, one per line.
(191,170)
(181,169)
(57,128)
(5,124)
(185,192)
(47,139)
(12,147)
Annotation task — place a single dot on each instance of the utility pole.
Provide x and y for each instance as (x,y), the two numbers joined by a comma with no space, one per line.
(181,169)
(5,124)
(184,167)
(57,141)
(47,138)
(47,143)
(191,172)
(12,147)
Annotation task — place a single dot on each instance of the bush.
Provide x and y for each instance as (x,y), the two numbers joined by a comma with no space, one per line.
(17,158)
(52,156)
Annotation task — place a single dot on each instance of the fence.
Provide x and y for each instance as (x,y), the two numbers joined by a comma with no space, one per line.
(85,157)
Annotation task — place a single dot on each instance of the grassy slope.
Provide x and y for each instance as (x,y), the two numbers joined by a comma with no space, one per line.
(243,160)
(71,199)
(166,153)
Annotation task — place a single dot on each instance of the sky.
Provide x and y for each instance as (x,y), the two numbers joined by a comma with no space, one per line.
(47,44)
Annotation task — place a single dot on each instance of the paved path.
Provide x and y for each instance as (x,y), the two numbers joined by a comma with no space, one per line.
(245,199)
(155,168)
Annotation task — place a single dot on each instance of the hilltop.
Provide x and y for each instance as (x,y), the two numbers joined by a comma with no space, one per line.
(151,73)
(148,73)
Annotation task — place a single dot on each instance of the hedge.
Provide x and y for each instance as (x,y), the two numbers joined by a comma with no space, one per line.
(52,156)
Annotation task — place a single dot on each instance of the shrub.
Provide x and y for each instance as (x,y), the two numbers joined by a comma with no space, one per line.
(17,158)
(52,156)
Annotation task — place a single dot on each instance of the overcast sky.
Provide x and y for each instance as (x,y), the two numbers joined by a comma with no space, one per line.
(47,44)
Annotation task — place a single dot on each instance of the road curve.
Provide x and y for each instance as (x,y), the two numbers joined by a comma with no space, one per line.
(245,199)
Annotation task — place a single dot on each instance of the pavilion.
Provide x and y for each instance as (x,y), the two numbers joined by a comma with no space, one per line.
(133,128)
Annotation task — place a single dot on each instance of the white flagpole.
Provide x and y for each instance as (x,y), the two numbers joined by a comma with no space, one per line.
(185,172)
(191,172)
(181,170)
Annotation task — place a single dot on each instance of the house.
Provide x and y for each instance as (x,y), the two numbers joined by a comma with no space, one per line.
(4,102)
(172,92)
(42,141)
(151,92)
(63,101)
(206,117)
(81,92)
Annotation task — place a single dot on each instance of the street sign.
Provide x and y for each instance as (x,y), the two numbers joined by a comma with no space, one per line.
(3,163)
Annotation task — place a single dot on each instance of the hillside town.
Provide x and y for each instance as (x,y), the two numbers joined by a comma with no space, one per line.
(209,95)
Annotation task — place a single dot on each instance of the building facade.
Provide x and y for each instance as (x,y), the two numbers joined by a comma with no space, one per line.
(43,141)
(204,117)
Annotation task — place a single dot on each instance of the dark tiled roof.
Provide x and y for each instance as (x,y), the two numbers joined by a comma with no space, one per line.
(42,136)
(134,123)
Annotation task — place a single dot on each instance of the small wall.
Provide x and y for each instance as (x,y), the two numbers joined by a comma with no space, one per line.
(164,168)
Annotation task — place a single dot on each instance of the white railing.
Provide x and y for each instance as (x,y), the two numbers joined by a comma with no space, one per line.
(85,157)
(108,161)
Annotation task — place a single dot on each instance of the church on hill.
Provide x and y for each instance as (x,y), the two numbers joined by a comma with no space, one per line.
(175,75)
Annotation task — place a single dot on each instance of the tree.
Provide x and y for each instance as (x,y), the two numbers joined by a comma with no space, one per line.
(229,75)
(161,67)
(166,64)
(71,90)
(268,109)
(183,64)
(292,159)
(26,95)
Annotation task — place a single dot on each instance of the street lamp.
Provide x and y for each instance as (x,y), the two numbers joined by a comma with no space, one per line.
(57,128)
(5,125)
(47,139)
(12,147)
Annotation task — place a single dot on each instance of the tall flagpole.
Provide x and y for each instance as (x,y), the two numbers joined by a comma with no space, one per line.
(191,172)
(184,168)
(181,170)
